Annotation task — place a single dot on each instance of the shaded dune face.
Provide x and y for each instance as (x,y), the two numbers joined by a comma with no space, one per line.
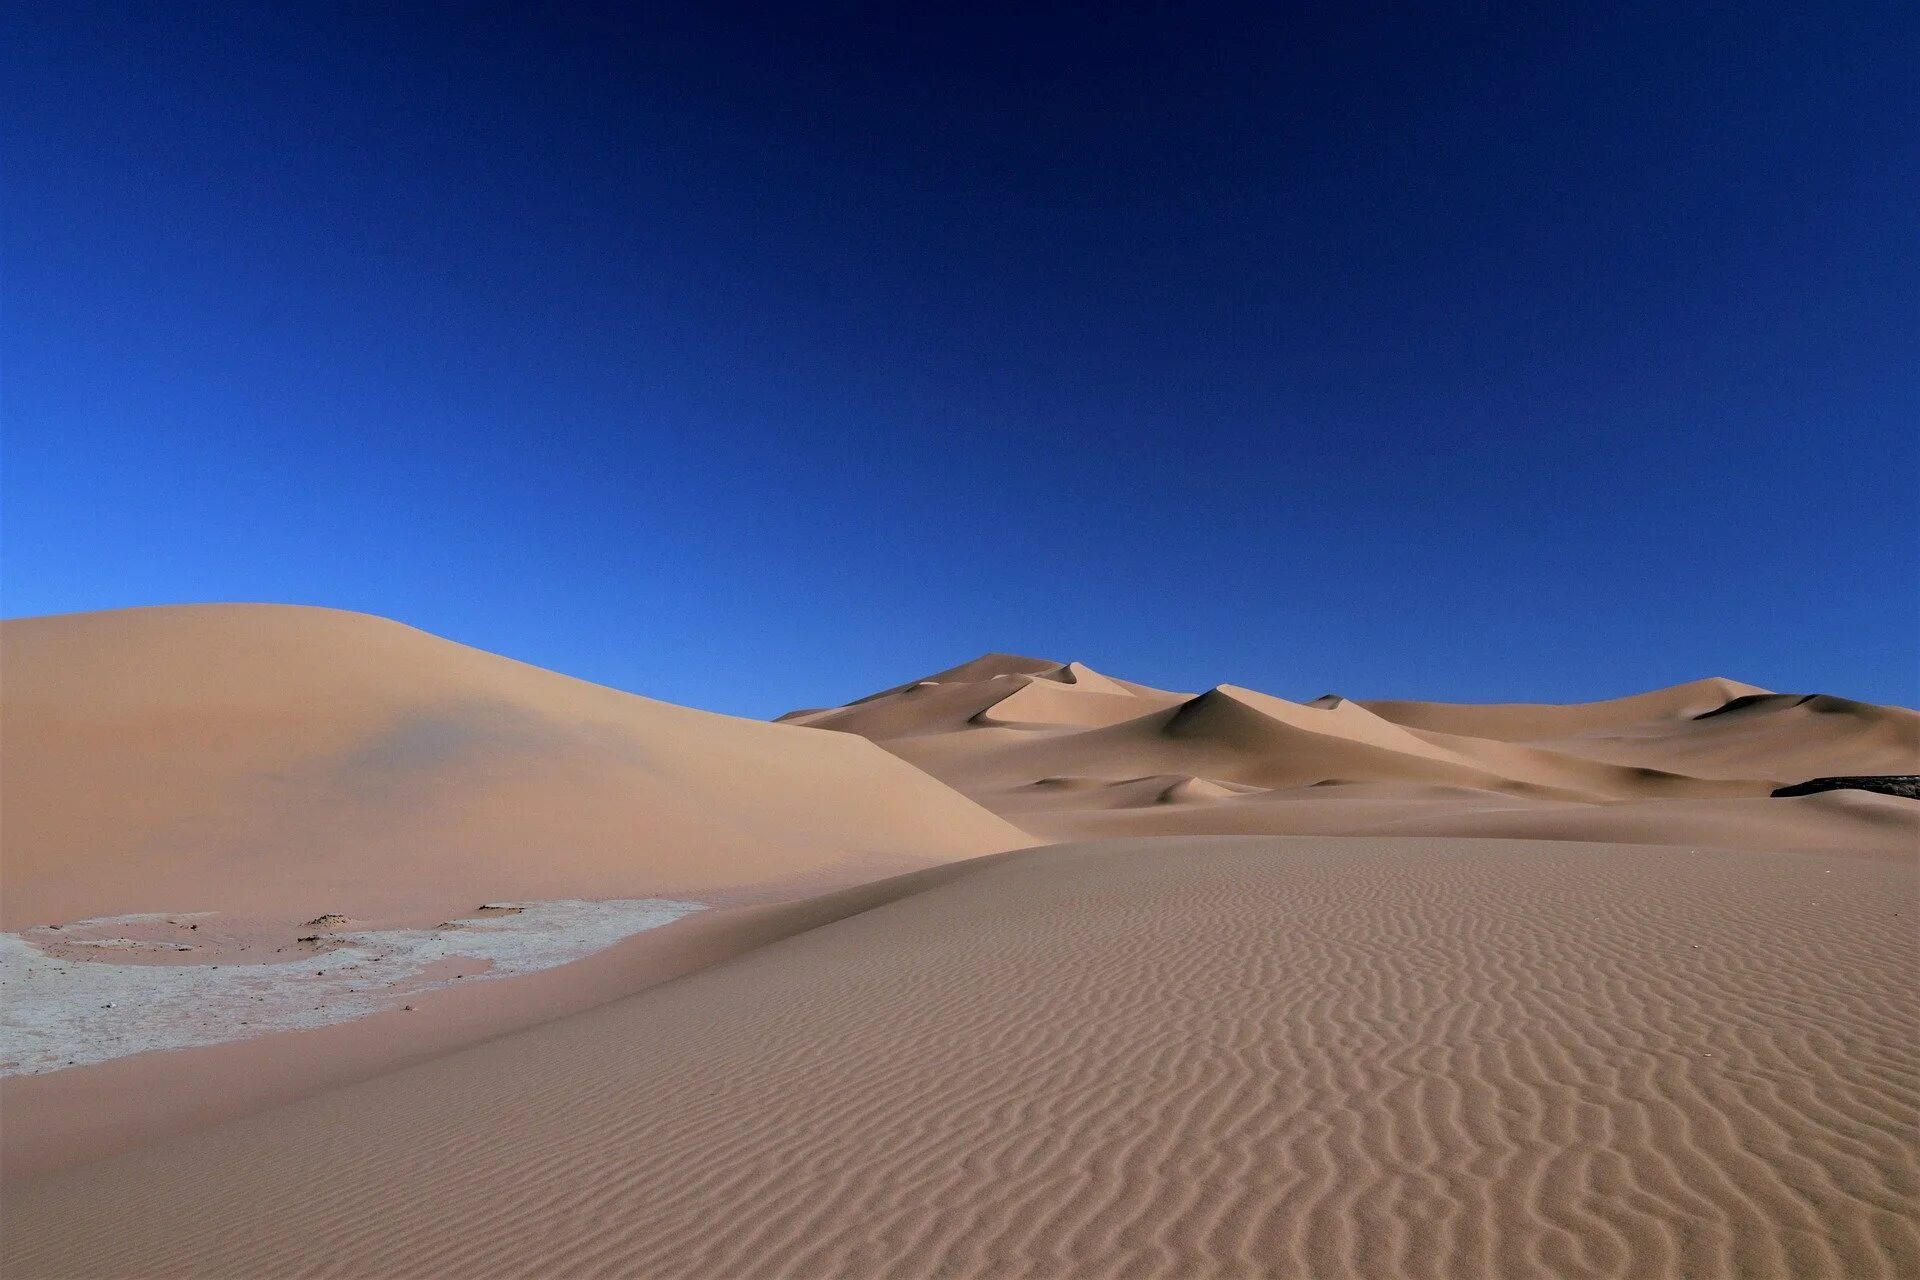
(292,761)
(1000,728)
(1299,1058)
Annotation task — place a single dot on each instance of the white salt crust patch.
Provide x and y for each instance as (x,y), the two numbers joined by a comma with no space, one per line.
(56,1013)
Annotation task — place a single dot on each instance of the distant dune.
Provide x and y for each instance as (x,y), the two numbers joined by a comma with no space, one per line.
(336,949)
(1067,753)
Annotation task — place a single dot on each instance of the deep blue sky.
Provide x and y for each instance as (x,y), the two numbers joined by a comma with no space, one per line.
(761,359)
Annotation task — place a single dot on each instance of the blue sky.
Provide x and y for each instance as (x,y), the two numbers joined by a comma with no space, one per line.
(754,359)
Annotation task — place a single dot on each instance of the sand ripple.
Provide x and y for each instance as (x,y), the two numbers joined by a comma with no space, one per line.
(1201,1057)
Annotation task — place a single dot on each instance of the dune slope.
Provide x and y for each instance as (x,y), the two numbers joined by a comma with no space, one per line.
(291,762)
(1367,1057)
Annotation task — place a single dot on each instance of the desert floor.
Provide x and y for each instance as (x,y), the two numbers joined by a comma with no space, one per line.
(423,962)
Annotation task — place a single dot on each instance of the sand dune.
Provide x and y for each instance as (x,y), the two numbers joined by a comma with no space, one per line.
(1042,702)
(1615,769)
(998,690)
(288,762)
(1367,1058)
(1346,741)
(1711,728)
(1777,735)
(1532,721)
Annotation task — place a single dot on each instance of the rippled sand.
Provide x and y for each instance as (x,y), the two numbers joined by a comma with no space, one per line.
(1183,1057)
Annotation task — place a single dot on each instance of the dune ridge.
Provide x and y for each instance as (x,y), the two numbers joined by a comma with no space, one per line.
(996,690)
(1619,768)
(1530,721)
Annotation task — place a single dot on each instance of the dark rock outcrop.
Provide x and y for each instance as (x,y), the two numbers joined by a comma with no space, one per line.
(1906,785)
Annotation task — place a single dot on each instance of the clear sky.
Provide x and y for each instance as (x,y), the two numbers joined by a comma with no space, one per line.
(759,357)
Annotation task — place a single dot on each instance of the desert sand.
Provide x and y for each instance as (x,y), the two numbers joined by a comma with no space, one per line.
(1018,969)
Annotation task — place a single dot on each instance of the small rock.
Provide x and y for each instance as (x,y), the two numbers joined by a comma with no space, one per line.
(1905,785)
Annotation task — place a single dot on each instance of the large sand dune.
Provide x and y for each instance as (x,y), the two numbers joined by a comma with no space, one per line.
(1314,1058)
(292,762)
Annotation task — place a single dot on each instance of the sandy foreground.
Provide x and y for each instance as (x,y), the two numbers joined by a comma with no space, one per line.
(519,976)
(1251,1055)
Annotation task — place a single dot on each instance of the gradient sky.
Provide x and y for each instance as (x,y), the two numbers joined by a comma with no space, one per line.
(759,359)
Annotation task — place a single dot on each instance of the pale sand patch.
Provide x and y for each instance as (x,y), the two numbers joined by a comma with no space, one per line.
(62,1012)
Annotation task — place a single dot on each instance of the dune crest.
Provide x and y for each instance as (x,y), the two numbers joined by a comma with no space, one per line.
(996,692)
(1579,771)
